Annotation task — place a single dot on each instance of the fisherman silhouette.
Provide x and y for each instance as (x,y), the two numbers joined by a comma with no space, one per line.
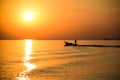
(75,41)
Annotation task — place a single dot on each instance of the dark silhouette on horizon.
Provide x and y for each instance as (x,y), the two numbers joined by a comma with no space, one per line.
(72,44)
(75,41)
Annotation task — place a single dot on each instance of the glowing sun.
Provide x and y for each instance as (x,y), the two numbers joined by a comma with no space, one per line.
(28,16)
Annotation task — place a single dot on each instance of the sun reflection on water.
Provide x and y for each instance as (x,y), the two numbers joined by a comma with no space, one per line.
(28,48)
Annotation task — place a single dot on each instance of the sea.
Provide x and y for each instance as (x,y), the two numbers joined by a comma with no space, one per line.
(51,60)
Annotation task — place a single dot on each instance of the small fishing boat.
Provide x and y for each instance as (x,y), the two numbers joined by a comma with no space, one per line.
(74,44)
(70,44)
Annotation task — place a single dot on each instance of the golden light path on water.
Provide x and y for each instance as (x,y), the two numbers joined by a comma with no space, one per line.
(28,48)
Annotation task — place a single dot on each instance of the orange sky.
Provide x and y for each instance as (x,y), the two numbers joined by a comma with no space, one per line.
(60,19)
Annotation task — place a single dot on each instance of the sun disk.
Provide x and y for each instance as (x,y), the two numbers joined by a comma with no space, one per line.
(28,16)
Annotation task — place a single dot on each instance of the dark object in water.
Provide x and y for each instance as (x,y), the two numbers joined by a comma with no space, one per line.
(111,38)
(117,46)
(71,44)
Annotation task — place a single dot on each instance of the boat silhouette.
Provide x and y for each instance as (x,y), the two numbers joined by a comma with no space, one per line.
(74,44)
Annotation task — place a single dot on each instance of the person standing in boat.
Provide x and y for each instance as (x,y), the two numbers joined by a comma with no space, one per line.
(75,41)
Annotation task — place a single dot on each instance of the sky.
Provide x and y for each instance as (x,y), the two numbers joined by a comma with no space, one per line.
(59,19)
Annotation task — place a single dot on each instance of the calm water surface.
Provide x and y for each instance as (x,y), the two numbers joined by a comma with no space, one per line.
(51,60)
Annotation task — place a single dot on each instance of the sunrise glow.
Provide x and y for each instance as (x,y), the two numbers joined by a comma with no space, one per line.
(59,19)
(28,16)
(59,39)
